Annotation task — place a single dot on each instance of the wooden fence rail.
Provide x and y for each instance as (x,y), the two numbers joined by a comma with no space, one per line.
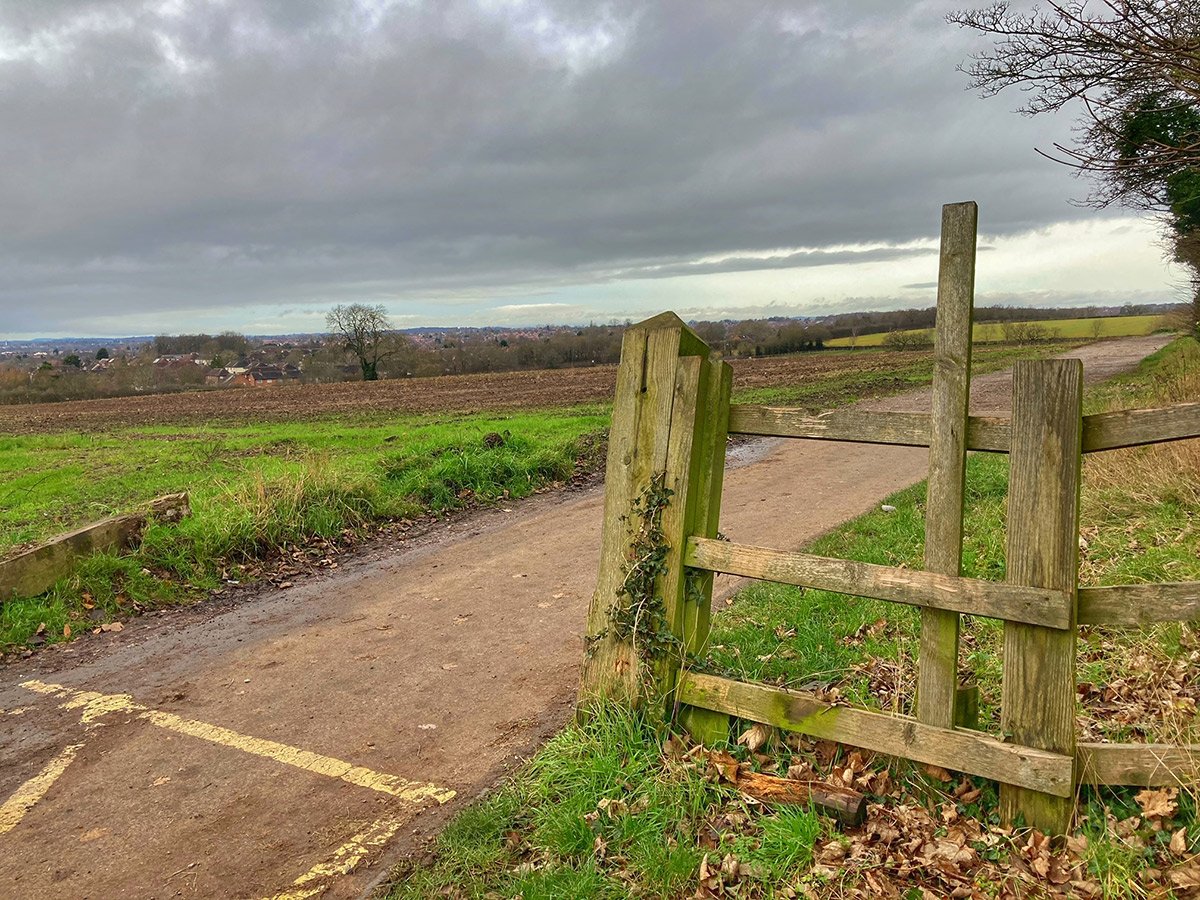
(1101,431)
(662,501)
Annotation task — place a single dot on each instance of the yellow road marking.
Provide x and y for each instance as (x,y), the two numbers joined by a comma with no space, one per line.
(342,861)
(95,705)
(27,795)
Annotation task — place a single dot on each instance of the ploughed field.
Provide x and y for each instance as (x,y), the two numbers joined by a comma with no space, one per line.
(883,370)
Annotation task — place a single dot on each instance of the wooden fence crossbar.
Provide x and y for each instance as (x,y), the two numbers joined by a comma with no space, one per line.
(1148,765)
(1101,431)
(905,429)
(914,587)
(959,749)
(1140,604)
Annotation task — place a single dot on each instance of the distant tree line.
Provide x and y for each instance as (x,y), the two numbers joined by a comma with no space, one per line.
(393,354)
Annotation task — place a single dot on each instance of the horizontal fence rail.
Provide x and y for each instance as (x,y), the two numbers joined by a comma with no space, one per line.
(1148,765)
(1136,427)
(1140,604)
(905,429)
(913,587)
(1101,431)
(952,748)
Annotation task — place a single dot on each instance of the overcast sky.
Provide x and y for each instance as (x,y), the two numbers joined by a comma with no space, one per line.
(246,164)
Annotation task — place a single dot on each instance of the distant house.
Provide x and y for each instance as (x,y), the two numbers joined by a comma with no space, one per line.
(263,375)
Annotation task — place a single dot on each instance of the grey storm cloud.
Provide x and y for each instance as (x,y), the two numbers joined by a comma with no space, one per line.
(199,156)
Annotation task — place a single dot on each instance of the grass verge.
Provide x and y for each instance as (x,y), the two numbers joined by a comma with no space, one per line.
(1093,328)
(582,818)
(258,493)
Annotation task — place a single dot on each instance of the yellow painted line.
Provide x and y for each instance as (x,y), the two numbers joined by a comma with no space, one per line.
(412,791)
(342,861)
(95,705)
(27,795)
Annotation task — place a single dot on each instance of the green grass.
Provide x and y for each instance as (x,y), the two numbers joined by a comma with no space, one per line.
(595,814)
(551,831)
(1062,329)
(869,380)
(254,490)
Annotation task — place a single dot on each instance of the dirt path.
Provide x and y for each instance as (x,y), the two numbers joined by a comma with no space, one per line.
(291,744)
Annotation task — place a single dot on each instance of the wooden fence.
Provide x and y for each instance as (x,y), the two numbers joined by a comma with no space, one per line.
(671,416)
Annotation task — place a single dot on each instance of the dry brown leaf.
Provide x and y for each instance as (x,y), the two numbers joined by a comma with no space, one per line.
(1186,877)
(939,773)
(1178,844)
(755,737)
(1157,804)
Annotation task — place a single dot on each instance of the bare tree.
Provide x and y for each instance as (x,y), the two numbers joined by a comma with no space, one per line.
(367,334)
(1133,66)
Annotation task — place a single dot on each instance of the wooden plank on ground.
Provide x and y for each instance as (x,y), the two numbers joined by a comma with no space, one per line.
(1140,604)
(957,749)
(905,429)
(1038,693)
(36,570)
(1135,427)
(1147,765)
(913,587)
(848,806)
(937,666)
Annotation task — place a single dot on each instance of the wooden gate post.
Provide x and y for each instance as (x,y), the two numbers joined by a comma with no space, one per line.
(1038,695)
(938,700)
(669,422)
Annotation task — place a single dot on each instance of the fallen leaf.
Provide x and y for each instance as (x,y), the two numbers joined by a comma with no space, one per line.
(755,737)
(1157,804)
(939,773)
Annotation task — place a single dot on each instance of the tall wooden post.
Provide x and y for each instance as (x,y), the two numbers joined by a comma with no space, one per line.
(937,666)
(1038,695)
(670,416)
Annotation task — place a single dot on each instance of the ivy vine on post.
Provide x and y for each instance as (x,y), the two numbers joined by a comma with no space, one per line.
(662,486)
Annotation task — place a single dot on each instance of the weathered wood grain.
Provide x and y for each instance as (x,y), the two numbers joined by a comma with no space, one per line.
(937,666)
(957,749)
(35,570)
(699,433)
(1134,427)
(1140,604)
(637,452)
(905,429)
(1147,765)
(913,587)
(1038,693)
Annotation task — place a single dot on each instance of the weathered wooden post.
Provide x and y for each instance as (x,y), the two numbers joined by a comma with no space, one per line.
(1038,695)
(663,477)
(938,700)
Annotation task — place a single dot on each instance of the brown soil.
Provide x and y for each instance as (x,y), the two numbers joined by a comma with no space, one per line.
(450,393)
(445,662)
